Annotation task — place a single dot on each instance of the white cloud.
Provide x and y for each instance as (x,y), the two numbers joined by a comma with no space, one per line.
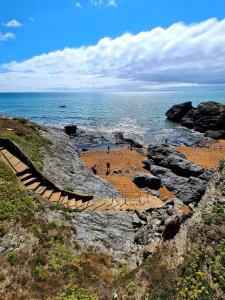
(78,4)
(112,3)
(107,2)
(4,37)
(13,23)
(180,55)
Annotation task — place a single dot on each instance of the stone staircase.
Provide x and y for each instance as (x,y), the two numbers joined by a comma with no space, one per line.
(33,180)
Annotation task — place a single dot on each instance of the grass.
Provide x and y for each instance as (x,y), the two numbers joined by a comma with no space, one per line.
(26,135)
(55,266)
(202,275)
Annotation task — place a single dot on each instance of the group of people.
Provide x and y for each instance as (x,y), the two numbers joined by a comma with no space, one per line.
(94,168)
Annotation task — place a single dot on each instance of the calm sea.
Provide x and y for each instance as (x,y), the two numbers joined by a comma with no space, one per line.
(140,115)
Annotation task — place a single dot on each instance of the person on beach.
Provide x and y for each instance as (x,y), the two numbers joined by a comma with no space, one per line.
(107,168)
(94,170)
(108,149)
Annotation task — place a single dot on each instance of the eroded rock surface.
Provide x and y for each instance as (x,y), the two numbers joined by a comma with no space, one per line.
(63,165)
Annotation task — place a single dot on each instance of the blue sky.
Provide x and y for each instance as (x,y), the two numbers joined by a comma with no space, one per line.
(49,25)
(30,28)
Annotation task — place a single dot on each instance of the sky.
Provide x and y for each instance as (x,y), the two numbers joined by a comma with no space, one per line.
(74,45)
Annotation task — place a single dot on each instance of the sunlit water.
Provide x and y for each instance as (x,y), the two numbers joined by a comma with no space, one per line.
(141,115)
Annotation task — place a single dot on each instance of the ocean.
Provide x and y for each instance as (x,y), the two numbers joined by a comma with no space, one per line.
(140,115)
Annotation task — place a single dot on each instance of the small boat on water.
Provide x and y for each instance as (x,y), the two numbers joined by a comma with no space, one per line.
(62,106)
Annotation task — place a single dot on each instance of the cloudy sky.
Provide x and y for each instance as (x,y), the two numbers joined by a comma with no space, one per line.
(111,45)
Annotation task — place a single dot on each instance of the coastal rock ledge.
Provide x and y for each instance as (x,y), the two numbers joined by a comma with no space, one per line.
(208,117)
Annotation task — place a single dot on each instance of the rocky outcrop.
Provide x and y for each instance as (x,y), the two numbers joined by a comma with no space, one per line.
(186,180)
(215,135)
(177,112)
(208,118)
(143,180)
(166,156)
(121,139)
(63,165)
(70,129)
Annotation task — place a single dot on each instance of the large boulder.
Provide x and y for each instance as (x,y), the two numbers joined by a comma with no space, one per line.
(215,135)
(207,116)
(192,191)
(172,227)
(177,112)
(173,182)
(70,129)
(143,180)
(166,156)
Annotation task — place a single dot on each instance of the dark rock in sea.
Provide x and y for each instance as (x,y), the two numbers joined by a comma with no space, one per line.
(143,180)
(207,117)
(173,182)
(166,156)
(192,191)
(70,129)
(120,139)
(172,227)
(215,135)
(177,112)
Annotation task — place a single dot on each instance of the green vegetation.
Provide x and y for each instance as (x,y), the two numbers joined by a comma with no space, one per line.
(202,275)
(26,135)
(51,259)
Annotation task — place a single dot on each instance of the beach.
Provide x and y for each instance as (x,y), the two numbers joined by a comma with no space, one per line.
(131,161)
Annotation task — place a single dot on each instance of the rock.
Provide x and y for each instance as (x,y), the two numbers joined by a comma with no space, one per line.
(120,139)
(207,175)
(178,202)
(143,180)
(177,112)
(215,135)
(192,191)
(173,182)
(70,129)
(207,116)
(142,215)
(166,156)
(154,192)
(172,227)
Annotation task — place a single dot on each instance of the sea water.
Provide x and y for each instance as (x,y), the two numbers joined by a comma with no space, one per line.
(138,114)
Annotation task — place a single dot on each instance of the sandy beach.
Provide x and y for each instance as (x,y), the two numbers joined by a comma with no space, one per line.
(130,162)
